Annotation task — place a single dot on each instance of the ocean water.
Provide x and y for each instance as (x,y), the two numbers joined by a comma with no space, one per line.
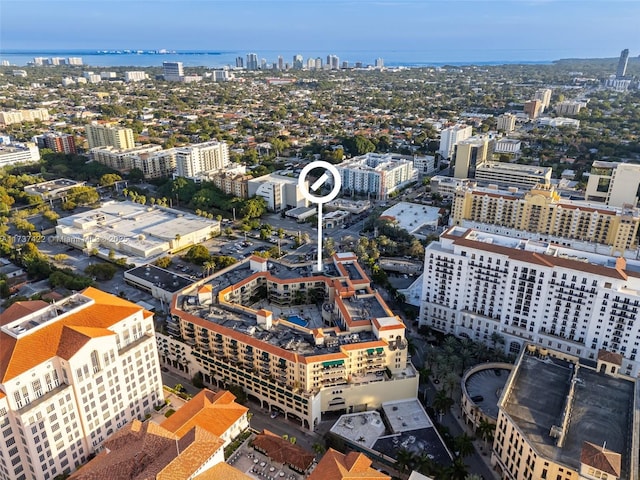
(216,59)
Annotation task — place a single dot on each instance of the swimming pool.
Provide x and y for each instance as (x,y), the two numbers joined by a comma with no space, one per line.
(297,320)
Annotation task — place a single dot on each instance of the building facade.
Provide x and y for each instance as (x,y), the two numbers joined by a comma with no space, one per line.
(512,175)
(616,184)
(195,160)
(478,284)
(470,154)
(173,71)
(241,327)
(506,122)
(548,217)
(621,71)
(533,108)
(544,96)
(18,153)
(99,135)
(58,142)
(280,192)
(62,374)
(376,174)
(19,116)
(233,184)
(449,138)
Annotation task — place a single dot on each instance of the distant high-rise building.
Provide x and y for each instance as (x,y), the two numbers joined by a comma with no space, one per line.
(622,63)
(333,62)
(345,65)
(263,64)
(297,62)
(280,62)
(137,76)
(197,159)
(318,65)
(544,95)
(252,61)
(58,142)
(74,61)
(506,122)
(533,108)
(311,63)
(106,135)
(379,62)
(449,137)
(239,62)
(470,153)
(173,71)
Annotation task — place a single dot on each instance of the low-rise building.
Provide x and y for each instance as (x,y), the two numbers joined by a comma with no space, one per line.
(160,283)
(512,175)
(340,466)
(53,188)
(15,153)
(281,192)
(236,184)
(508,145)
(418,220)
(558,122)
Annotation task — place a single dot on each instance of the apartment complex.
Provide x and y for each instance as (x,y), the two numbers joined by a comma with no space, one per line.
(99,135)
(62,371)
(470,153)
(300,343)
(151,159)
(378,174)
(476,284)
(614,183)
(542,213)
(543,95)
(197,160)
(135,76)
(18,153)
(561,417)
(58,142)
(236,184)
(449,138)
(281,192)
(569,107)
(533,108)
(512,175)
(506,122)
(19,116)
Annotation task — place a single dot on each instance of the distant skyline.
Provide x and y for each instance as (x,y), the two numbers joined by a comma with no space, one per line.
(455,30)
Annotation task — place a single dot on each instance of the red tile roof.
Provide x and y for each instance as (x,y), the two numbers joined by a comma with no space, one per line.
(21,309)
(601,459)
(223,471)
(338,466)
(283,451)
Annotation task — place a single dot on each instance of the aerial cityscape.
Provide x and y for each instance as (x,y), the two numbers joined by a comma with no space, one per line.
(319,254)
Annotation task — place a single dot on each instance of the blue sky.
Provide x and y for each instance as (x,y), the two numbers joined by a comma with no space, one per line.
(525,29)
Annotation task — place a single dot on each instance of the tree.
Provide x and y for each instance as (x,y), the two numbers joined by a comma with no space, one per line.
(485,431)
(109,179)
(163,262)
(198,254)
(254,207)
(404,460)
(82,195)
(101,271)
(464,445)
(442,403)
(318,448)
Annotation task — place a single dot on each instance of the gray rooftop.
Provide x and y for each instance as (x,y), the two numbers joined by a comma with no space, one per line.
(488,384)
(160,277)
(601,409)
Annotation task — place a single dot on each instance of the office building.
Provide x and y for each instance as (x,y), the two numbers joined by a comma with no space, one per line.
(507,145)
(52,189)
(471,153)
(103,135)
(252,61)
(281,192)
(449,138)
(614,183)
(377,174)
(621,71)
(512,174)
(239,62)
(197,160)
(15,153)
(533,108)
(424,165)
(541,214)
(246,326)
(477,284)
(563,416)
(558,122)
(61,376)
(150,159)
(58,142)
(135,76)
(298,62)
(544,96)
(506,122)
(173,71)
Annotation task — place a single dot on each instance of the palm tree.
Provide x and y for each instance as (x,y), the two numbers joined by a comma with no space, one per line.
(456,471)
(464,445)
(208,266)
(404,460)
(496,339)
(442,403)
(318,448)
(485,431)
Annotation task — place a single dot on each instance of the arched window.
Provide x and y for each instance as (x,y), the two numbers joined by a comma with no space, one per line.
(95,361)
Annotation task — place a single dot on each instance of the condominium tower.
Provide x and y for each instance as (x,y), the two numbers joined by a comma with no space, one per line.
(195,160)
(614,183)
(99,135)
(72,373)
(173,71)
(622,63)
(376,174)
(450,137)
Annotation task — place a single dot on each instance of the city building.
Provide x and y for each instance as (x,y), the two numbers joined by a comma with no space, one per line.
(339,466)
(58,142)
(188,443)
(379,62)
(618,84)
(62,370)
(103,135)
(378,174)
(544,96)
(173,71)
(471,153)
(108,75)
(563,416)
(281,192)
(396,425)
(298,62)
(621,71)
(19,116)
(506,122)
(281,451)
(135,76)
(614,183)
(508,145)
(299,343)
(136,231)
(541,214)
(197,160)
(450,137)
(558,122)
(569,107)
(478,284)
(74,61)
(512,175)
(419,220)
(239,62)
(15,153)
(150,159)
(481,387)
(222,75)
(447,186)
(236,184)
(53,188)
(252,61)
(425,165)
(160,283)
(533,108)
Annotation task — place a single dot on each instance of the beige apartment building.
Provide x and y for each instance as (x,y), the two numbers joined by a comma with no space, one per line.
(151,160)
(99,135)
(542,211)
(233,184)
(299,343)
(614,183)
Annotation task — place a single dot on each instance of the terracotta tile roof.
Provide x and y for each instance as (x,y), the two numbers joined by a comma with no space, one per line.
(19,355)
(222,471)
(74,338)
(610,357)
(21,309)
(214,412)
(194,452)
(601,459)
(337,466)
(283,451)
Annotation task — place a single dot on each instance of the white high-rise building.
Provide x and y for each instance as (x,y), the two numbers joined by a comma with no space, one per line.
(135,76)
(195,160)
(489,287)
(544,96)
(449,138)
(173,71)
(614,183)
(72,373)
(376,174)
(506,122)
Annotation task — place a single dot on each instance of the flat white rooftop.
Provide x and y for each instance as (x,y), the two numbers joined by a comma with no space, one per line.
(413,216)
